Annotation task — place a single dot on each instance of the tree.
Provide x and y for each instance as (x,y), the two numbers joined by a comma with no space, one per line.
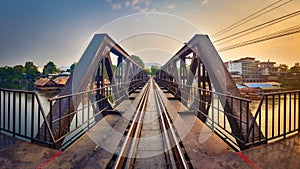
(283,68)
(154,70)
(7,73)
(138,60)
(31,70)
(148,71)
(19,71)
(12,74)
(296,68)
(72,67)
(50,68)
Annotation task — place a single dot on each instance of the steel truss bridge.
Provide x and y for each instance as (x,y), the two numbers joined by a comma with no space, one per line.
(195,75)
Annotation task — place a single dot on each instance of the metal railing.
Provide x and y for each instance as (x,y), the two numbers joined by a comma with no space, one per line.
(277,116)
(210,105)
(22,114)
(88,112)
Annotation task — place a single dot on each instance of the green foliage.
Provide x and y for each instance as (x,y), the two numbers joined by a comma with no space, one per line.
(19,73)
(296,68)
(148,71)
(138,60)
(72,67)
(114,67)
(283,68)
(290,82)
(154,70)
(31,71)
(50,68)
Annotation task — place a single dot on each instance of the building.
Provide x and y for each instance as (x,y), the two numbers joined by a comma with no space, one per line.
(248,68)
(252,71)
(237,77)
(44,84)
(255,90)
(269,71)
(61,81)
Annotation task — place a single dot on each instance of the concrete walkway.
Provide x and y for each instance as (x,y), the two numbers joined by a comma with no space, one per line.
(19,154)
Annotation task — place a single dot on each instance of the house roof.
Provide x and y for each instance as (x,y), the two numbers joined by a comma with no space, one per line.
(42,81)
(240,86)
(274,83)
(258,85)
(61,80)
(264,86)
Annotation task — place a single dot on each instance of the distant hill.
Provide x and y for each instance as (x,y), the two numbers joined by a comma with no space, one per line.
(148,65)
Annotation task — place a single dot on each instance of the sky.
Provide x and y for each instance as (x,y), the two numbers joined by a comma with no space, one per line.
(59,30)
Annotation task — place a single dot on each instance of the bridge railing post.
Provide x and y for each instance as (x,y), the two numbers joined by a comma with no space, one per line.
(298,111)
(50,115)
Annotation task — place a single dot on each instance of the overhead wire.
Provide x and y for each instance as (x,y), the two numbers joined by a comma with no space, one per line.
(256,28)
(251,17)
(285,32)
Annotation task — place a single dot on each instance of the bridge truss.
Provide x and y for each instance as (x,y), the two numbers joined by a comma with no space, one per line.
(197,76)
(97,82)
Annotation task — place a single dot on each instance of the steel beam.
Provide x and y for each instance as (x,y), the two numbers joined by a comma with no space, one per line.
(86,73)
(211,69)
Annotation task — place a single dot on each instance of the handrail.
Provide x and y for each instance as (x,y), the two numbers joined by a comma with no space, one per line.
(88,91)
(266,118)
(281,92)
(206,90)
(44,116)
(16,90)
(254,119)
(36,103)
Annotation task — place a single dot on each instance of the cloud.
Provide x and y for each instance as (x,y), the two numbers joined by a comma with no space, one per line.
(135,2)
(139,9)
(171,6)
(140,5)
(116,6)
(204,2)
(127,3)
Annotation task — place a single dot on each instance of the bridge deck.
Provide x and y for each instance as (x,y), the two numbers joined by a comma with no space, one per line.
(204,148)
(19,154)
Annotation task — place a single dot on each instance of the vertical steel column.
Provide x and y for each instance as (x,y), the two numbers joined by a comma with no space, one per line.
(183,73)
(102,77)
(119,72)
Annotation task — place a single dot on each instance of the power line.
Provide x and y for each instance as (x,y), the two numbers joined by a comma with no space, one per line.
(282,33)
(230,26)
(256,28)
(251,17)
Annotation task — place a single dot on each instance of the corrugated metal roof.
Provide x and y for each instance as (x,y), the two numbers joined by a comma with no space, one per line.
(258,85)
(263,86)
(42,81)
(240,86)
(61,80)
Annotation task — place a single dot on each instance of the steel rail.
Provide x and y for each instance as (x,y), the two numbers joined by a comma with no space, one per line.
(178,156)
(175,157)
(122,157)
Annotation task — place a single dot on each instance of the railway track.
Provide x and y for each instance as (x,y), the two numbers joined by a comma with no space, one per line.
(150,139)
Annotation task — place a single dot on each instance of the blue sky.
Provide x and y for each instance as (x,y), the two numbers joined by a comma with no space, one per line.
(58,30)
